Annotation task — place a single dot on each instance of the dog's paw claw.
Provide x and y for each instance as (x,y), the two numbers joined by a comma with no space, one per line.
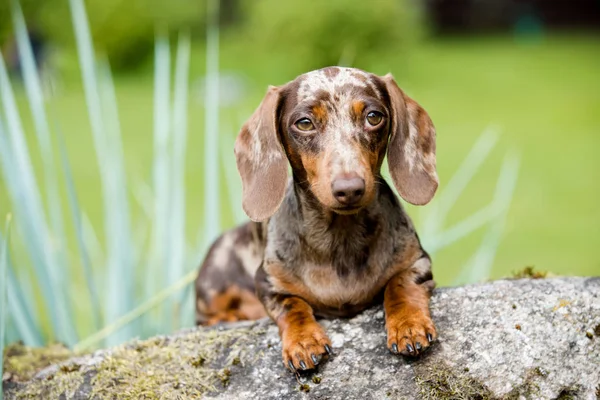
(315,359)
(303,348)
(410,336)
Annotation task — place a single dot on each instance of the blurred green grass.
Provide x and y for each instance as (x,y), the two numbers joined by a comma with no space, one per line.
(543,94)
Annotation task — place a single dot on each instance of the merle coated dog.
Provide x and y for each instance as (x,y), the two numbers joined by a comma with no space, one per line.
(333,239)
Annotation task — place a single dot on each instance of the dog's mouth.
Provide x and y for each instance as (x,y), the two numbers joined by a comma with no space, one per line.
(347,210)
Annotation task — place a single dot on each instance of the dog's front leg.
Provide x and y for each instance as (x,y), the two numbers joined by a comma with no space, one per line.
(410,329)
(303,340)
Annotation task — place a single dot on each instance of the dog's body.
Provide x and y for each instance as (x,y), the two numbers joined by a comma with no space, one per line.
(334,239)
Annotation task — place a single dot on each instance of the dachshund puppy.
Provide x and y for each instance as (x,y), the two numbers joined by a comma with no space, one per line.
(333,239)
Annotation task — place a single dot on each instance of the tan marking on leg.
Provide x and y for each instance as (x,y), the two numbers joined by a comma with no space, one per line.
(408,321)
(235,304)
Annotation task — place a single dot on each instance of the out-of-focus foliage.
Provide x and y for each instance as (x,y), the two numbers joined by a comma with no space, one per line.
(125,28)
(311,33)
(122,29)
(319,33)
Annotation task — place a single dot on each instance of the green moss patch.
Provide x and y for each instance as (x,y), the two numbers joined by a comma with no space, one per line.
(529,272)
(443,383)
(177,367)
(21,363)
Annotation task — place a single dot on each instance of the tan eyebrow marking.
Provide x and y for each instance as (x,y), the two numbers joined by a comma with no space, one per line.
(358,107)
(320,113)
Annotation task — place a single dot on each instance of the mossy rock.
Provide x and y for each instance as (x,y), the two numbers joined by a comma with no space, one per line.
(480,355)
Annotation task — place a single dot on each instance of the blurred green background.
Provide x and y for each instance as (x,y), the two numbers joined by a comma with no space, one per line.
(528,70)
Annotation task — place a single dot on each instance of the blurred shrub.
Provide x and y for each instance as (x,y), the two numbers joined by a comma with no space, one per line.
(318,33)
(310,34)
(124,30)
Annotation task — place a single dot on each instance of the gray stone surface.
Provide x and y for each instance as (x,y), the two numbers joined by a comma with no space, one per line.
(513,339)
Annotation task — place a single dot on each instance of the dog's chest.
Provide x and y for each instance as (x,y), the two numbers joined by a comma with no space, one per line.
(333,288)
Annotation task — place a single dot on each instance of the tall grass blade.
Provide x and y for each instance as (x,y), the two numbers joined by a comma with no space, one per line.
(142,232)
(81,247)
(438,210)
(161,170)
(176,267)
(143,195)
(212,209)
(463,228)
(118,299)
(480,265)
(142,309)
(21,313)
(231,177)
(93,245)
(20,307)
(36,104)
(29,211)
(3,296)
(85,50)
(121,277)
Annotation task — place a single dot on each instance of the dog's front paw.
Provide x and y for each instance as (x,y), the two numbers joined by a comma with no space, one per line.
(304,346)
(409,332)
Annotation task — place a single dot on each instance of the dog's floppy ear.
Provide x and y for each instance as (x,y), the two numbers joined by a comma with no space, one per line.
(411,149)
(261,161)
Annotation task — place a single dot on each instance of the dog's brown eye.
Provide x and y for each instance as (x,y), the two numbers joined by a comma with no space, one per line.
(374,118)
(305,125)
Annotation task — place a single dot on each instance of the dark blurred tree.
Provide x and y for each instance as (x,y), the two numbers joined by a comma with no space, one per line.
(523,16)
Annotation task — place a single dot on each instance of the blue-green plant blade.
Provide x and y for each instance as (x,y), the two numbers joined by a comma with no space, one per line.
(3,296)
(175,269)
(36,104)
(85,51)
(121,269)
(444,201)
(21,315)
(92,243)
(463,228)
(20,309)
(211,128)
(83,252)
(480,265)
(348,55)
(104,123)
(142,232)
(160,255)
(231,177)
(142,193)
(156,300)
(29,212)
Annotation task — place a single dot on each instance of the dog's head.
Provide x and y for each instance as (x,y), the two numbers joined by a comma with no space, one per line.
(333,126)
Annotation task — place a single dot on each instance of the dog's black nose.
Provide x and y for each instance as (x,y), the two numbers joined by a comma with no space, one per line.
(348,191)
